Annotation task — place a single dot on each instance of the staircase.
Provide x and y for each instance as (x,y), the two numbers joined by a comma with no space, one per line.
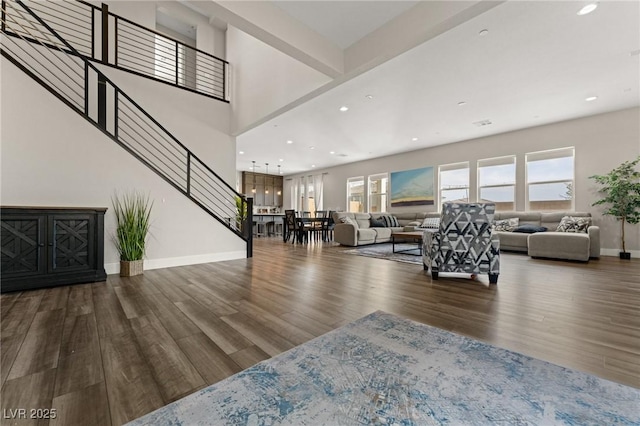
(35,47)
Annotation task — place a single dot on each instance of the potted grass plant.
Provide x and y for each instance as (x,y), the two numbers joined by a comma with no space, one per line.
(132,212)
(241,212)
(621,190)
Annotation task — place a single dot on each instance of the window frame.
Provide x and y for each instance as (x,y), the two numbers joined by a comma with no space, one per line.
(451,167)
(549,155)
(362,203)
(493,162)
(381,195)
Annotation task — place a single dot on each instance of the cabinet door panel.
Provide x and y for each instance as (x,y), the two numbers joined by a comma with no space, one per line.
(22,245)
(71,243)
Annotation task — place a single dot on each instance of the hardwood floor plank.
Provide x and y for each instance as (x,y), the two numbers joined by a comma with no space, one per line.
(78,371)
(56,299)
(80,300)
(210,361)
(223,335)
(303,322)
(71,408)
(131,389)
(263,337)
(80,333)
(9,347)
(41,346)
(19,316)
(171,368)
(275,323)
(249,357)
(110,317)
(172,318)
(133,305)
(34,391)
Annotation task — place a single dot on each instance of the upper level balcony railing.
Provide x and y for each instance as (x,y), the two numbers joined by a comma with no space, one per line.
(113,40)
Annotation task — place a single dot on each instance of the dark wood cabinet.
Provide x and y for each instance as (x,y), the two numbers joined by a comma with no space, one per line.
(46,247)
(268,188)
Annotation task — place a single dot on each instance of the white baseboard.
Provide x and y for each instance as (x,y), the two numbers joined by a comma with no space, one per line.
(614,252)
(114,268)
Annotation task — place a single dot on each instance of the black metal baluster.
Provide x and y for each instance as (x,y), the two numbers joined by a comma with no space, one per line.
(93,33)
(248,227)
(189,173)
(102,81)
(224,80)
(177,64)
(115,41)
(115,112)
(4,17)
(86,89)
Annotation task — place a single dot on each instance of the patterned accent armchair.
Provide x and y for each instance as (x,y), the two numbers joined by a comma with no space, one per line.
(464,242)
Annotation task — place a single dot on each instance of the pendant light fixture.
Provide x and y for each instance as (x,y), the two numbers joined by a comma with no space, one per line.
(266,188)
(279,173)
(254,177)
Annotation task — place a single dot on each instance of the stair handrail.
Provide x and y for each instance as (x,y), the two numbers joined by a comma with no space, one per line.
(245,231)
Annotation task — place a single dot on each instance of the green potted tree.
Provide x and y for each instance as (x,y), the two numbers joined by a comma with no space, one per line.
(621,190)
(132,212)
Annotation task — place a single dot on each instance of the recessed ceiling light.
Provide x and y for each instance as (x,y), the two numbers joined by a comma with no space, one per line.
(414,139)
(483,32)
(312,147)
(289,142)
(462,103)
(281,160)
(588,9)
(240,152)
(591,98)
(332,152)
(369,96)
(344,108)
(313,165)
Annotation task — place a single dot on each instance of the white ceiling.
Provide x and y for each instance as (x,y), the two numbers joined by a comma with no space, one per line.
(536,65)
(344,22)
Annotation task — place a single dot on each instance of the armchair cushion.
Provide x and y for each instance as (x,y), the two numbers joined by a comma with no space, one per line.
(465,241)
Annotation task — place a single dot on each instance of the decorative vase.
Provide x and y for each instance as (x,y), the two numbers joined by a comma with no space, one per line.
(625,255)
(131,268)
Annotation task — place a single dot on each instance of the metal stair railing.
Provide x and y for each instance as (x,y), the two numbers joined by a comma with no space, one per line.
(38,50)
(100,35)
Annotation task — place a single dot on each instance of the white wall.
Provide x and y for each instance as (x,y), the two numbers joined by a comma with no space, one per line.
(51,156)
(263,78)
(602,142)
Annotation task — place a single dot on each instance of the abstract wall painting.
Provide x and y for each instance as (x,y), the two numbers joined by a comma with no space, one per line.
(412,188)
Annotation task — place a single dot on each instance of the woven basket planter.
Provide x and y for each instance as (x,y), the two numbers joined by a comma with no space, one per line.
(131,268)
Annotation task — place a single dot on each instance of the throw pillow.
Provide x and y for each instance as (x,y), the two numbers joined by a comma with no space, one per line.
(574,224)
(390,221)
(431,223)
(416,223)
(376,223)
(530,229)
(506,225)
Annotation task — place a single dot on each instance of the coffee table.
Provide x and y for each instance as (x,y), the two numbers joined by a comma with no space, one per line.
(407,237)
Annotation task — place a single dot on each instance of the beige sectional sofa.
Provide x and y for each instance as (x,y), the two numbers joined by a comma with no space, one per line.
(360,231)
(550,244)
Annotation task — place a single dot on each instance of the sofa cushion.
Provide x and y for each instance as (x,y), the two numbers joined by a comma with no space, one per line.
(512,240)
(553,219)
(506,225)
(363,220)
(430,223)
(559,245)
(366,236)
(383,234)
(525,218)
(530,229)
(574,224)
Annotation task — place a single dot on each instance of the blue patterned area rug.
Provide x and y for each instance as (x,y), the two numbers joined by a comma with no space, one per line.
(385,251)
(385,370)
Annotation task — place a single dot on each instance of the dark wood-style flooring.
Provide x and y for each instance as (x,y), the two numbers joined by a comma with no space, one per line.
(109,352)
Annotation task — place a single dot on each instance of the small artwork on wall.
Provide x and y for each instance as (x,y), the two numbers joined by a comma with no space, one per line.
(412,188)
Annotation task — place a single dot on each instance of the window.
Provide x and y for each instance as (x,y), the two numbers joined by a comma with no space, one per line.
(454,182)
(378,187)
(497,182)
(550,184)
(355,194)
